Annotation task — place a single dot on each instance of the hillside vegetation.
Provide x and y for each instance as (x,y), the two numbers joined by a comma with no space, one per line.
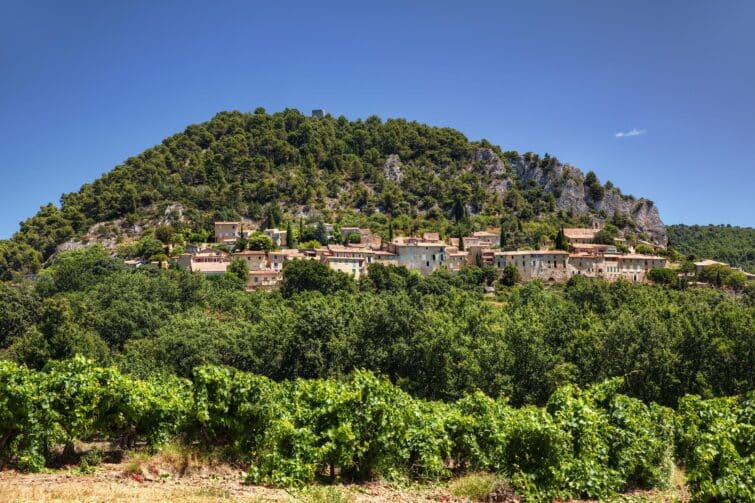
(731,244)
(273,168)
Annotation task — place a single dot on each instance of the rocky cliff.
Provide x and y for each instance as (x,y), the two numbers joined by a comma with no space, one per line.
(573,191)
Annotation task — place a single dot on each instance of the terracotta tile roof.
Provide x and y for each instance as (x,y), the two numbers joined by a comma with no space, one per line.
(415,241)
(580,233)
(591,246)
(532,252)
(634,256)
(348,249)
(707,262)
(209,266)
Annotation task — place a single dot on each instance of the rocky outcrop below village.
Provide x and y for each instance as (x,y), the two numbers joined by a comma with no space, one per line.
(573,192)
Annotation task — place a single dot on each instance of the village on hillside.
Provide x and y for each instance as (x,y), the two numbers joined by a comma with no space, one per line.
(352,250)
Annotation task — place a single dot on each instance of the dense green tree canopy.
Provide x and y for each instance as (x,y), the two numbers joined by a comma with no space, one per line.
(436,336)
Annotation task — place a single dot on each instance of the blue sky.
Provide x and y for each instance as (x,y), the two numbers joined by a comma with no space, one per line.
(85,85)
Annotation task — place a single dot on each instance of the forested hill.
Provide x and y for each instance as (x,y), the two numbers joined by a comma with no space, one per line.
(730,244)
(270,168)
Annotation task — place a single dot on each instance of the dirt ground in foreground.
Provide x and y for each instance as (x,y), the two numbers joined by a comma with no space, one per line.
(183,478)
(111,484)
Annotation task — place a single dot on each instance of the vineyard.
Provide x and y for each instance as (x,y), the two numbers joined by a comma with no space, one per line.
(583,443)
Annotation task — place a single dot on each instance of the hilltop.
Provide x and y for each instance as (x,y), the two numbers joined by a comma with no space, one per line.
(272,168)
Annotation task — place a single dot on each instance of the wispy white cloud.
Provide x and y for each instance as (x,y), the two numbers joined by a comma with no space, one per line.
(631,132)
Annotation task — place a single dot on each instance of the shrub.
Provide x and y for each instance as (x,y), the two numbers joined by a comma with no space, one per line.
(663,276)
(716,438)
(584,443)
(475,486)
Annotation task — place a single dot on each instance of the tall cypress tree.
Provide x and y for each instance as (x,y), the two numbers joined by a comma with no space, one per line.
(504,233)
(459,209)
(561,240)
(290,241)
(390,231)
(321,235)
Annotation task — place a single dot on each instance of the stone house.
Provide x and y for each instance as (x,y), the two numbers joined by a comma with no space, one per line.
(227,233)
(456,258)
(699,266)
(255,260)
(632,267)
(592,248)
(384,257)
(481,254)
(277,258)
(418,254)
(491,239)
(352,260)
(580,235)
(585,264)
(278,236)
(208,261)
(264,280)
(548,265)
